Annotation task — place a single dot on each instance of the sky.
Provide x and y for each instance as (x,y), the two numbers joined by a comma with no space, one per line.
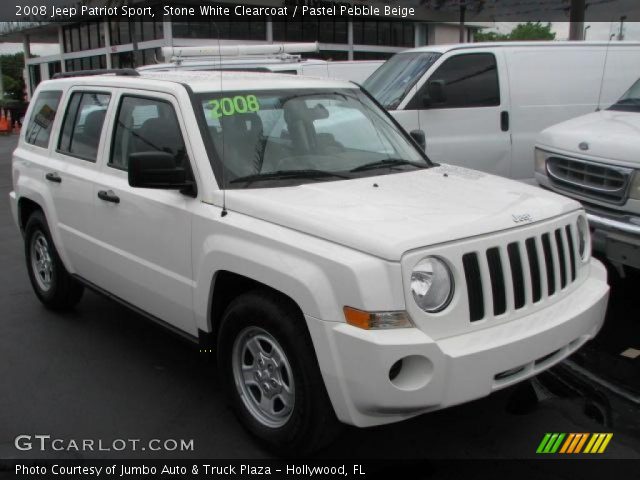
(595,31)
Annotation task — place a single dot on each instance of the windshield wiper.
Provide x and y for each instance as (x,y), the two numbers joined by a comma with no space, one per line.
(287,174)
(388,163)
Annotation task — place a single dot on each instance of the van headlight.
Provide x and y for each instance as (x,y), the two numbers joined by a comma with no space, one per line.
(584,238)
(432,284)
(540,161)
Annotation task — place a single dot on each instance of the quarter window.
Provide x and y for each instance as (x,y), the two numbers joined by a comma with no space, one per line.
(146,125)
(43,114)
(82,126)
(468,80)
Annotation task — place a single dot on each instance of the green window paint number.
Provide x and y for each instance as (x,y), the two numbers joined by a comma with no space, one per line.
(228,106)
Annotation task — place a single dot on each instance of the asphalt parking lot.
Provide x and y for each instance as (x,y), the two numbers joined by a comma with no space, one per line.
(104,372)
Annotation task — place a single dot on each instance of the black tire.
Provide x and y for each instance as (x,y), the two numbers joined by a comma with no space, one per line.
(63,292)
(312,423)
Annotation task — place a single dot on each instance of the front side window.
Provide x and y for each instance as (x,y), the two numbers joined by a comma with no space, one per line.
(38,128)
(82,126)
(146,125)
(468,80)
(279,138)
(390,83)
(630,100)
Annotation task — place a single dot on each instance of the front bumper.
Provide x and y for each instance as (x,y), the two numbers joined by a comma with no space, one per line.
(13,202)
(614,233)
(617,236)
(355,363)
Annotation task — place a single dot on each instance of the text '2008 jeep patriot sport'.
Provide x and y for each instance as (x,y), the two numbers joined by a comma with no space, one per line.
(341,274)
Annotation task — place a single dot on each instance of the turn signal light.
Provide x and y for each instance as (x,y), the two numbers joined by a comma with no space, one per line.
(377,320)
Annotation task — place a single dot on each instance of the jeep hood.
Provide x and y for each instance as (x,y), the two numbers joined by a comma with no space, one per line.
(608,134)
(390,214)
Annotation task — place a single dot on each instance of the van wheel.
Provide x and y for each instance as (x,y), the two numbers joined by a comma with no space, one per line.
(53,285)
(271,376)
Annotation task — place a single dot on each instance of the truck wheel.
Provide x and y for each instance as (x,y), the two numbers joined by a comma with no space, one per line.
(271,376)
(53,285)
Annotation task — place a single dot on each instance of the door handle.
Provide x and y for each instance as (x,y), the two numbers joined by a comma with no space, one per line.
(53,177)
(504,121)
(108,196)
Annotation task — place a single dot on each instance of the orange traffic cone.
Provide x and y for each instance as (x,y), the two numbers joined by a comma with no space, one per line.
(16,128)
(4,126)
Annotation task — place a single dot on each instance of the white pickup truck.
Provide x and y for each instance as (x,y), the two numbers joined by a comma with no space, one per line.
(301,235)
(595,158)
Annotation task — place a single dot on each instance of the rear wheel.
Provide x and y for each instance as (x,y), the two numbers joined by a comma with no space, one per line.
(51,282)
(271,375)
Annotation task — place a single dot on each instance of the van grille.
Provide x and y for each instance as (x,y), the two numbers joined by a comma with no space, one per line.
(509,277)
(604,182)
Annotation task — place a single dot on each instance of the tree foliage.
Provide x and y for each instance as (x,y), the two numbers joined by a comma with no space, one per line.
(523,31)
(13,81)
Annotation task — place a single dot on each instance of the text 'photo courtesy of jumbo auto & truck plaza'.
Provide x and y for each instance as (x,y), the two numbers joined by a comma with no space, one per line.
(296,238)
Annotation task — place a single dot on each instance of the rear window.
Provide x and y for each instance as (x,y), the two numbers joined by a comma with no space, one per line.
(38,130)
(82,126)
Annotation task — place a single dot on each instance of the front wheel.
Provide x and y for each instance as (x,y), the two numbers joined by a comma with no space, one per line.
(271,375)
(51,282)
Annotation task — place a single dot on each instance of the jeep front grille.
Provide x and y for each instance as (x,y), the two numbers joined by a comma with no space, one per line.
(596,180)
(520,273)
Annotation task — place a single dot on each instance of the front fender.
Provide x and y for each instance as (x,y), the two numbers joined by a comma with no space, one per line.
(28,187)
(320,276)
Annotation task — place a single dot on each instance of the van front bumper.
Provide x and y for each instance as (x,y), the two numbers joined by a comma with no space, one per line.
(356,363)
(616,236)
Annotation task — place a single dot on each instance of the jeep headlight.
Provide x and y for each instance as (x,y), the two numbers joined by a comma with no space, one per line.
(540,161)
(584,238)
(432,284)
(634,190)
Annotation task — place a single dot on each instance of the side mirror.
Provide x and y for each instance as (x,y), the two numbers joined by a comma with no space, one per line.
(158,170)
(435,93)
(419,137)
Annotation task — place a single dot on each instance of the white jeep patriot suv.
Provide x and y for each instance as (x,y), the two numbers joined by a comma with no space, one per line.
(292,224)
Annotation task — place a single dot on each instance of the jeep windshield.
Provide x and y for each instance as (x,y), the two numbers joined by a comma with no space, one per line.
(271,138)
(630,101)
(392,81)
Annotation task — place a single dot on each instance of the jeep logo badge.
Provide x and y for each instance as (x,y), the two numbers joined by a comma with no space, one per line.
(523,217)
(583,146)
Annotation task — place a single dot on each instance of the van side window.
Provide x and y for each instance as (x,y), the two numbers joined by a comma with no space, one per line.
(44,110)
(82,125)
(467,80)
(145,125)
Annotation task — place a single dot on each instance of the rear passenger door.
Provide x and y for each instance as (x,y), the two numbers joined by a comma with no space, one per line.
(146,233)
(72,173)
(470,125)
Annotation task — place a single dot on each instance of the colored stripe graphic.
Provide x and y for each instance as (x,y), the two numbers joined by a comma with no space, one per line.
(573,443)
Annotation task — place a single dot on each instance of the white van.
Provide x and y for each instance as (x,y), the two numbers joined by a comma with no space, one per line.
(595,158)
(482,105)
(275,58)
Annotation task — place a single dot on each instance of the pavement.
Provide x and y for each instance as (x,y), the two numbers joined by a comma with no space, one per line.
(104,372)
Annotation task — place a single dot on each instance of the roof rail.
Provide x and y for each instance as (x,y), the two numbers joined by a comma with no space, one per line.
(124,72)
(254,50)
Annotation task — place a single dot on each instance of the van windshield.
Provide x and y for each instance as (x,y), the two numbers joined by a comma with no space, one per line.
(630,101)
(392,81)
(281,138)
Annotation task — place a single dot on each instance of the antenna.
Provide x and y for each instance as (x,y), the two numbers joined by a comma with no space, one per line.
(604,68)
(224,212)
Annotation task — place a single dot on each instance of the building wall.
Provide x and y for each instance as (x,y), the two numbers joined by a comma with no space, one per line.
(103,44)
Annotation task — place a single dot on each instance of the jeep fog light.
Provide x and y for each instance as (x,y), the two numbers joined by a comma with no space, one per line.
(377,320)
(540,161)
(634,190)
(432,284)
(584,238)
